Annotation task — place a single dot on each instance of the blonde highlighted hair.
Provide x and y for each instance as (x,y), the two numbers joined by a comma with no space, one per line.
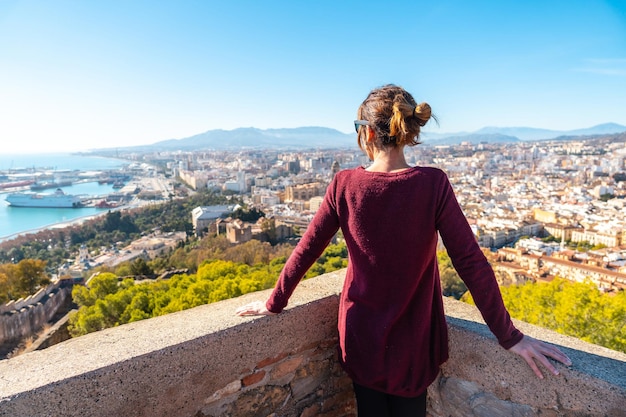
(394,115)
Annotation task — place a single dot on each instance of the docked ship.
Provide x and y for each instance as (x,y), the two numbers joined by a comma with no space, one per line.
(58,199)
(15,184)
(43,185)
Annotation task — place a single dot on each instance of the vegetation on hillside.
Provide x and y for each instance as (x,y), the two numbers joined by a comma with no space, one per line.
(223,271)
(109,302)
(22,279)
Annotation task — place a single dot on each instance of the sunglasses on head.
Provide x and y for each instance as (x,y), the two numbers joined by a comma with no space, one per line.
(359,123)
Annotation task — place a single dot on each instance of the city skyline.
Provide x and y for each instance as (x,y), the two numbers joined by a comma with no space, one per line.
(93,75)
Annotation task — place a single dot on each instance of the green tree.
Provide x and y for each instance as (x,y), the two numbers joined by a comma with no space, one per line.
(140,267)
(114,221)
(158,265)
(15,255)
(337,250)
(224,271)
(251,253)
(102,285)
(268,226)
(247,215)
(573,308)
(123,270)
(5,288)
(451,283)
(31,275)
(22,279)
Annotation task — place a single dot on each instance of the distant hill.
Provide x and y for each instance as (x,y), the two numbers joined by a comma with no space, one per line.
(321,137)
(251,138)
(494,134)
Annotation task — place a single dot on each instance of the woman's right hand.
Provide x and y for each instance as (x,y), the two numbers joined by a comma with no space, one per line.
(255,308)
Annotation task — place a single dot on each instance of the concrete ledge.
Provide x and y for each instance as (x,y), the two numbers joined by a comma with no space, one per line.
(166,366)
(595,385)
(175,365)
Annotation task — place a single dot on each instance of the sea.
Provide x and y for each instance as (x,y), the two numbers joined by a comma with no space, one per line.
(19,220)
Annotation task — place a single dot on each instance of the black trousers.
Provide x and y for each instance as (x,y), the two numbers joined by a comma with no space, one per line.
(372,403)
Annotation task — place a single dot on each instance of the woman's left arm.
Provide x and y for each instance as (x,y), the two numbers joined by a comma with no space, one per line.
(478,275)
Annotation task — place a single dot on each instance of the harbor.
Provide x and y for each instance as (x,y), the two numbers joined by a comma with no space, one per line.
(37,198)
(72,190)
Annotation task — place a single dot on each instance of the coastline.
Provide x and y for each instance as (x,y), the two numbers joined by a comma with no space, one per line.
(58,225)
(85,170)
(134,204)
(16,221)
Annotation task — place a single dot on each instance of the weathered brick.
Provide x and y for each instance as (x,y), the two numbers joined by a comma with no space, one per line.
(503,391)
(468,399)
(321,354)
(245,371)
(286,367)
(227,390)
(252,379)
(269,361)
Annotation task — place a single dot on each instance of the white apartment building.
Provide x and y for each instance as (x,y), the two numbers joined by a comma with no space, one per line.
(203,216)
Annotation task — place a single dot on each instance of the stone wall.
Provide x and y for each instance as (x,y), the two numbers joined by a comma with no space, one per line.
(208,362)
(22,319)
(16,305)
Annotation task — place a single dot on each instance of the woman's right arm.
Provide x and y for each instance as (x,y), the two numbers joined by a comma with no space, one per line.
(255,308)
(318,234)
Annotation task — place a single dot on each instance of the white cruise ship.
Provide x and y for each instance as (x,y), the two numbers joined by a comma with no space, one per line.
(56,200)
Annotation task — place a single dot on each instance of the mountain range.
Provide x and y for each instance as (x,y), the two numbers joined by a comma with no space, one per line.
(492,134)
(321,137)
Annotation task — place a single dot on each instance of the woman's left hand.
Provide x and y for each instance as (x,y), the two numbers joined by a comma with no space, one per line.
(256,308)
(535,350)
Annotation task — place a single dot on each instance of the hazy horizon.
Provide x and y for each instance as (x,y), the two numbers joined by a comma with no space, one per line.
(428,136)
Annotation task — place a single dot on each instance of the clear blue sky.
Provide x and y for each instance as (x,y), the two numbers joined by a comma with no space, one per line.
(82,74)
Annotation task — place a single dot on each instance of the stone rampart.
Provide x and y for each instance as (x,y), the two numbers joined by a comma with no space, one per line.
(208,362)
(16,305)
(27,318)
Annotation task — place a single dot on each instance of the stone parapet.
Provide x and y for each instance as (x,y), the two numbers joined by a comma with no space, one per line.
(18,324)
(17,305)
(208,362)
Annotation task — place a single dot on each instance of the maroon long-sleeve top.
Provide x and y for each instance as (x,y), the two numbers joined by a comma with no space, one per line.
(392,328)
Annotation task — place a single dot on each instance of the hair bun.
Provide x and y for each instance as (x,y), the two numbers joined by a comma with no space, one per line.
(423,113)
